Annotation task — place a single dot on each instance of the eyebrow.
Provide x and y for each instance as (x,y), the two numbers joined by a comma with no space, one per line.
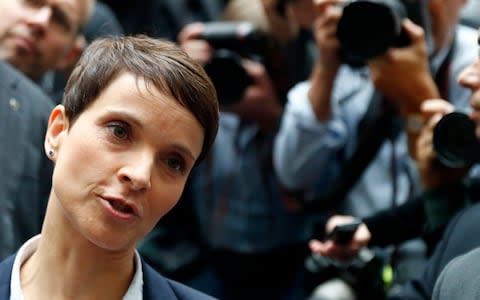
(179,147)
(66,8)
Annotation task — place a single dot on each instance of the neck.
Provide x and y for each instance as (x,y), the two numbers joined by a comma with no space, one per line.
(67,266)
(443,41)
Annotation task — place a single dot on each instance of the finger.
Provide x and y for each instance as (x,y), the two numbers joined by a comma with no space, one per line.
(198,50)
(414,31)
(315,245)
(191,31)
(322,5)
(433,106)
(432,122)
(257,71)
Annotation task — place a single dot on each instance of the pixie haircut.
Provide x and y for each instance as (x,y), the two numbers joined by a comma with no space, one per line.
(158,62)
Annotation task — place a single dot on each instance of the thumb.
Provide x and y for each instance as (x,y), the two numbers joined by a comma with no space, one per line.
(414,31)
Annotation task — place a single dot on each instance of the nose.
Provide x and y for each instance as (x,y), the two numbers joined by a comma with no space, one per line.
(137,172)
(470,77)
(39,20)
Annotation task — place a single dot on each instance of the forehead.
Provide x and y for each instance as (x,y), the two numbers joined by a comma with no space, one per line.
(152,110)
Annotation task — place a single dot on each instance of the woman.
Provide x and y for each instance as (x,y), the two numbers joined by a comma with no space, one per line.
(137,115)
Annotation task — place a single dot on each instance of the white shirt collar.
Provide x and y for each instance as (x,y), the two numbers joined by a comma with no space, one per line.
(134,292)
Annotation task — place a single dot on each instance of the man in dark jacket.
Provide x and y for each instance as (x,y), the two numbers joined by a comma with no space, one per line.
(35,36)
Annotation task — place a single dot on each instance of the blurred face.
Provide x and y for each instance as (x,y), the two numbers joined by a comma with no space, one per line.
(37,35)
(123,163)
(470,78)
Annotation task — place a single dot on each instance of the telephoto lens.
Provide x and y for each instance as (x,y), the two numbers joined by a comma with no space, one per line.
(455,141)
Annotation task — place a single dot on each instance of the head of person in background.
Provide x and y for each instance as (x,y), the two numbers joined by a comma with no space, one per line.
(136,117)
(41,35)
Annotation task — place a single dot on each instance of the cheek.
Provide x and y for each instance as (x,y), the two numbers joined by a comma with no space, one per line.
(54,47)
(81,159)
(165,198)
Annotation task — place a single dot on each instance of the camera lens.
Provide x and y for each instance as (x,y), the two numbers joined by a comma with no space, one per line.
(228,76)
(455,142)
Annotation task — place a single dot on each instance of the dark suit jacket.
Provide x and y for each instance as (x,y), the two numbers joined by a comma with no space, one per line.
(155,286)
(25,176)
(459,279)
(461,236)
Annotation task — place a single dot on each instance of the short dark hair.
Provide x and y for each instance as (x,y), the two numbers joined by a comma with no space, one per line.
(159,62)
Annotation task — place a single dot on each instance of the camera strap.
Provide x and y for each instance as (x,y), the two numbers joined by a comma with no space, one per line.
(380,122)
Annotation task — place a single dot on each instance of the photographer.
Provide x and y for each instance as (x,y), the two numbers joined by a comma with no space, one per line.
(446,192)
(323,117)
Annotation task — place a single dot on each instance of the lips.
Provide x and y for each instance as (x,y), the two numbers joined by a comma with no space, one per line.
(121,205)
(23,39)
(25,45)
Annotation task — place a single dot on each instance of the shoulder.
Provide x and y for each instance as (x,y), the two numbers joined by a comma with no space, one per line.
(157,286)
(460,278)
(5,275)
(184,292)
(14,84)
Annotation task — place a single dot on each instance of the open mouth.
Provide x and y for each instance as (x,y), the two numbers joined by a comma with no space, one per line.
(120,207)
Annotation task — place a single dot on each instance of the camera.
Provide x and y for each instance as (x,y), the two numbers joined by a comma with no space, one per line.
(232,41)
(367,28)
(455,142)
(364,274)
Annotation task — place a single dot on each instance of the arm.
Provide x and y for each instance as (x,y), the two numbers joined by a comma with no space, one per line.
(315,127)
(403,76)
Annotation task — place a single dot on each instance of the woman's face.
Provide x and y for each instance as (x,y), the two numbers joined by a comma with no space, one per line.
(123,163)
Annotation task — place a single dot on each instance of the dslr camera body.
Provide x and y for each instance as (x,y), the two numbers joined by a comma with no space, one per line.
(232,41)
(367,28)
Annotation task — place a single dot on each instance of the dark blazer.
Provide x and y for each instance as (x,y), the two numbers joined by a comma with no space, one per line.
(155,286)
(459,279)
(461,235)
(25,177)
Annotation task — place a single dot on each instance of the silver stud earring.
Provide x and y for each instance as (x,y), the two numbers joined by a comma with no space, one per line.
(50,153)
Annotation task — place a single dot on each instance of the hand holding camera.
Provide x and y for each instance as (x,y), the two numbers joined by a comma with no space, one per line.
(336,245)
(403,74)
(328,14)
(189,40)
(444,144)
(232,54)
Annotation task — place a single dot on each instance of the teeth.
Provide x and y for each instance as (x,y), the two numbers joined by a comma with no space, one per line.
(118,206)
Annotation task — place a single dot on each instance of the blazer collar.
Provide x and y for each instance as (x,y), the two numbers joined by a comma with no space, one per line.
(154,285)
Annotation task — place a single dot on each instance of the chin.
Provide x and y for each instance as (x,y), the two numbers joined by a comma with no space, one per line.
(110,241)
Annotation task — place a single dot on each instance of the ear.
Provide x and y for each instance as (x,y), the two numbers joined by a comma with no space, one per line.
(66,63)
(57,129)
